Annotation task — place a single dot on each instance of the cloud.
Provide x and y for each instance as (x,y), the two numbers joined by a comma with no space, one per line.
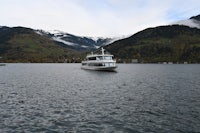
(95,17)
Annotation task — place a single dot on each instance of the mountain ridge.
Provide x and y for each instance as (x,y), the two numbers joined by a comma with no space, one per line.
(80,43)
(196,17)
(19,44)
(178,43)
(173,43)
(193,22)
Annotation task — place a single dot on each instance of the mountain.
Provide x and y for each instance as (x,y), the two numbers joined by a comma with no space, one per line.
(76,42)
(19,44)
(179,42)
(172,43)
(193,22)
(196,17)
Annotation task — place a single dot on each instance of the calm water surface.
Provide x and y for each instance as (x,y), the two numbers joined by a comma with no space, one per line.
(64,98)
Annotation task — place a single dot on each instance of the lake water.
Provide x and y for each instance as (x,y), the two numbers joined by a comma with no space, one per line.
(64,98)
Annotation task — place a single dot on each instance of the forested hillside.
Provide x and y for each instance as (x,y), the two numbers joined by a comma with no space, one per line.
(174,43)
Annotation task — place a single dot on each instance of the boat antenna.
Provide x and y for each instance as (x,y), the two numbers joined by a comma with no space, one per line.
(102,50)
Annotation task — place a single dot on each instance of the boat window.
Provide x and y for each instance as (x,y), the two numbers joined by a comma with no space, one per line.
(95,64)
(98,58)
(112,64)
(92,58)
(108,57)
(100,64)
(101,58)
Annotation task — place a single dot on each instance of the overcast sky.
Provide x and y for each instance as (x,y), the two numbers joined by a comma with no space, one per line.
(95,17)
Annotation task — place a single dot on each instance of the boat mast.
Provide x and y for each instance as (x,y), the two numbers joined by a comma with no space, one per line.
(102,50)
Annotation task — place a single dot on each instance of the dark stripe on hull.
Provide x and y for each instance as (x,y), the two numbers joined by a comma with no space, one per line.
(112,69)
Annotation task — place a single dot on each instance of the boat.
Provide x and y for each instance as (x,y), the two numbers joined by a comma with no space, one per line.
(99,62)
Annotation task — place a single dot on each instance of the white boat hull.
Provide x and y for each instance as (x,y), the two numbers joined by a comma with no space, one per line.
(109,68)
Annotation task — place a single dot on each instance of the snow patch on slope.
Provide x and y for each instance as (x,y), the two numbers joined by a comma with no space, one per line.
(83,46)
(58,39)
(39,32)
(117,38)
(56,32)
(78,41)
(95,38)
(190,22)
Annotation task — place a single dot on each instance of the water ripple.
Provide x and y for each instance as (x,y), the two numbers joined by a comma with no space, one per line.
(64,98)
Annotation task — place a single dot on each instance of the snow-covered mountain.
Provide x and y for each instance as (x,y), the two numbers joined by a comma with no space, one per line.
(193,22)
(80,43)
